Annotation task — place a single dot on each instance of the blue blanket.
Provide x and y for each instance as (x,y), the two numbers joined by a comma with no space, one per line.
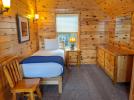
(43,59)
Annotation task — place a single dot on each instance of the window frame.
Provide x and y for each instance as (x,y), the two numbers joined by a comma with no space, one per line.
(78,34)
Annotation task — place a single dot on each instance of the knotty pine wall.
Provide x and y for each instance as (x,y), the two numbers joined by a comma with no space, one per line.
(114,8)
(92,23)
(8,30)
(9,39)
(111,33)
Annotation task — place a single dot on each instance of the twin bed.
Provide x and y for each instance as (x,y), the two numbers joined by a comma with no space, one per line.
(47,65)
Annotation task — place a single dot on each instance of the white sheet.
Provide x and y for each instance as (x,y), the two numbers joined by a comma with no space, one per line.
(57,52)
(44,70)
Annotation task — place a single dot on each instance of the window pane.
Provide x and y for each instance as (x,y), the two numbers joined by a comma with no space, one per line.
(65,37)
(67,23)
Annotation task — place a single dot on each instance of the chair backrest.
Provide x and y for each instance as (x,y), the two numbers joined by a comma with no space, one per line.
(12,71)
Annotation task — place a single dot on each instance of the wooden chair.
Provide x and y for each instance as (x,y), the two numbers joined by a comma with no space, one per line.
(16,82)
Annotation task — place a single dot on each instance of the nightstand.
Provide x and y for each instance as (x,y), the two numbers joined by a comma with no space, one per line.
(73,57)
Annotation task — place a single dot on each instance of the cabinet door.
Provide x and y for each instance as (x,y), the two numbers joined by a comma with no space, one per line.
(131,97)
(124,70)
(100,57)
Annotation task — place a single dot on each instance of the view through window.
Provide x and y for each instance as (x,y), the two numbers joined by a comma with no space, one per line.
(67,29)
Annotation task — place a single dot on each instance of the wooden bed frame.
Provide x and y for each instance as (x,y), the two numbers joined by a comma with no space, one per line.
(56,80)
(53,81)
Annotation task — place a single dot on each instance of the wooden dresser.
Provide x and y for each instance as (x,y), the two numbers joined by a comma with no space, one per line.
(116,62)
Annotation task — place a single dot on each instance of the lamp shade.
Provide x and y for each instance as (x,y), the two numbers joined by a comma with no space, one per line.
(36,16)
(6,3)
(72,40)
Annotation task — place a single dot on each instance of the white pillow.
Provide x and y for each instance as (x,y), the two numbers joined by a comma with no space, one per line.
(51,44)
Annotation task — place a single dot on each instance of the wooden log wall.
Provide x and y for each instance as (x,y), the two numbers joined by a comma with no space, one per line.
(92,23)
(9,45)
(117,8)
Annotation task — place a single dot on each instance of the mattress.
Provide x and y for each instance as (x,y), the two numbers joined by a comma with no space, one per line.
(57,52)
(44,70)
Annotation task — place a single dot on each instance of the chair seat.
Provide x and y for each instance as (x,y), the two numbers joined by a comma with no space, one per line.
(26,85)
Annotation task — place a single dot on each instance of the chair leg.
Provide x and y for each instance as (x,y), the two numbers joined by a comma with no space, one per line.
(39,93)
(60,85)
(32,96)
(14,96)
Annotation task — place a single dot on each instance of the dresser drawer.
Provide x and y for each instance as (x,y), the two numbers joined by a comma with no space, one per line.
(109,69)
(101,62)
(109,58)
(101,53)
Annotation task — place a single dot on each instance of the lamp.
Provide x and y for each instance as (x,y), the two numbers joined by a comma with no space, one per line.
(72,41)
(36,15)
(6,6)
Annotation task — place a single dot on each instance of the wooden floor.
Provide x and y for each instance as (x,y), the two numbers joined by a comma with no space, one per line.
(87,83)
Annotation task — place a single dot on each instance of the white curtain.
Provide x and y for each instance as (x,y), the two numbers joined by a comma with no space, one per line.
(67,23)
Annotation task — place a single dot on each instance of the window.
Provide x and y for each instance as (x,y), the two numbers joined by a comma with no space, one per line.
(67,28)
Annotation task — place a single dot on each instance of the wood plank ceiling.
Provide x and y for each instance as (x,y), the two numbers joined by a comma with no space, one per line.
(116,7)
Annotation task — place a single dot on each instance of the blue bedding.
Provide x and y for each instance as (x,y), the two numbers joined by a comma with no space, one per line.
(44,59)
(43,66)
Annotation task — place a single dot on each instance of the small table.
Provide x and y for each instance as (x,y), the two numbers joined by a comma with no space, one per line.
(78,57)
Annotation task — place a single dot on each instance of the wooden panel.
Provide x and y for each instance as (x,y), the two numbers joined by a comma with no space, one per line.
(111,37)
(109,64)
(116,7)
(100,57)
(9,38)
(131,97)
(124,68)
(91,27)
